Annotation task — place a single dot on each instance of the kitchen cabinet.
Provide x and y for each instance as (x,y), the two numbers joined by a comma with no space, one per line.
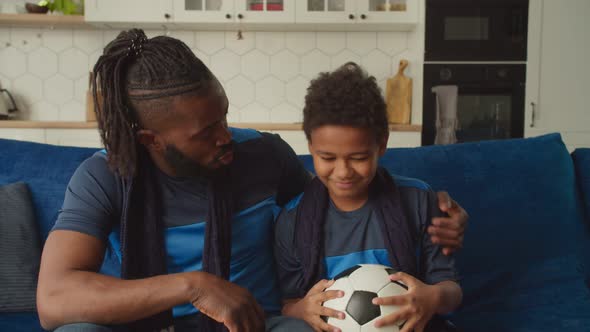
(558,74)
(398,12)
(234,11)
(117,13)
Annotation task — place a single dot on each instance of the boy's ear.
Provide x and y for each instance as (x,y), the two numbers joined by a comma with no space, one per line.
(150,140)
(383,144)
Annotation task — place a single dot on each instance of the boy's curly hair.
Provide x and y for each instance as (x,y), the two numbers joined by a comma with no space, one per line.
(347,96)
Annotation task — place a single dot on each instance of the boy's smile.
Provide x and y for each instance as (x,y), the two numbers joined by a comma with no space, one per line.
(345,159)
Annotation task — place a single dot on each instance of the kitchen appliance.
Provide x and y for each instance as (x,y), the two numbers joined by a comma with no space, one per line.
(476,30)
(7,105)
(489,101)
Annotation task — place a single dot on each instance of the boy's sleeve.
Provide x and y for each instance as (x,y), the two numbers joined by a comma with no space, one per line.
(289,269)
(435,266)
(91,200)
(294,176)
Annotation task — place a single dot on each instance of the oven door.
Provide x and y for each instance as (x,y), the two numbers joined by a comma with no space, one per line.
(476,30)
(488,107)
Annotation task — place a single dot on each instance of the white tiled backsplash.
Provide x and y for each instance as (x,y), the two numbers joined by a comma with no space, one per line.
(265,74)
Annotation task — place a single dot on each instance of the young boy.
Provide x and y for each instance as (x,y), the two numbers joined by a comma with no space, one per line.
(354,212)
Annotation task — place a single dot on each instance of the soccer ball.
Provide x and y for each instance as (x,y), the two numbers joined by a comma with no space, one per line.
(360,284)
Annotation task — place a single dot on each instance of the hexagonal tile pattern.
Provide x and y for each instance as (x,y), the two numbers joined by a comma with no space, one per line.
(255,65)
(42,62)
(314,63)
(270,92)
(361,43)
(233,114)
(392,43)
(93,58)
(239,46)
(80,89)
(344,57)
(5,82)
(377,64)
(300,42)
(270,42)
(225,65)
(44,111)
(210,42)
(88,41)
(109,35)
(187,37)
(29,87)
(58,89)
(284,65)
(254,112)
(72,111)
(296,90)
(4,37)
(286,113)
(202,56)
(331,42)
(26,39)
(73,63)
(240,91)
(58,40)
(12,62)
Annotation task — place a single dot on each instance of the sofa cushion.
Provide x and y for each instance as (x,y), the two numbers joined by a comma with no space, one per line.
(582,163)
(522,249)
(46,169)
(20,249)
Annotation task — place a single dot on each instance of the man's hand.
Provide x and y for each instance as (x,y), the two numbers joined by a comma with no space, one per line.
(416,307)
(227,303)
(310,307)
(448,231)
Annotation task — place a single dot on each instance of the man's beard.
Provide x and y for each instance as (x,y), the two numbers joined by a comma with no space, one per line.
(183,166)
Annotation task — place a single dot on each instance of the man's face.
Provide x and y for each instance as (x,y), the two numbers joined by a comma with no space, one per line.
(345,160)
(196,136)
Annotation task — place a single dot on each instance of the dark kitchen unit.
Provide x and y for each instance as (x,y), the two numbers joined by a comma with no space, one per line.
(474,70)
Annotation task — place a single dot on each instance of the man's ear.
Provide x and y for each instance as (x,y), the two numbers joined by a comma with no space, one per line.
(150,140)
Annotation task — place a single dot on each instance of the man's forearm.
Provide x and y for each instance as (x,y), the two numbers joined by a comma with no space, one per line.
(449,297)
(81,296)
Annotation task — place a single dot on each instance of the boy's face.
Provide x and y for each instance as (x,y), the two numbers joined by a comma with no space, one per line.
(345,160)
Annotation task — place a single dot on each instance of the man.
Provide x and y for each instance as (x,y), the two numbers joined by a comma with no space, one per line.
(172,226)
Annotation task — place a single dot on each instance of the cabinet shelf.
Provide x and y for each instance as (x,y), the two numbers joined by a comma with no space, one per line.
(38,20)
(93,125)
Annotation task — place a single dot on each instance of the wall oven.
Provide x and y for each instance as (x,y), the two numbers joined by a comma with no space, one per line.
(472,102)
(476,30)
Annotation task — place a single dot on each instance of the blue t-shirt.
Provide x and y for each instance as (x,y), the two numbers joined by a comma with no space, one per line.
(272,175)
(355,237)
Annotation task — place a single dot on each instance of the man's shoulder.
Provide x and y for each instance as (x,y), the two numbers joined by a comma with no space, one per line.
(96,168)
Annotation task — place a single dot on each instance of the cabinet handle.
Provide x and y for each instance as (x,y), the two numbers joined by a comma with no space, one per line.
(167,16)
(363,16)
(228,16)
(533,105)
(351,17)
(240,16)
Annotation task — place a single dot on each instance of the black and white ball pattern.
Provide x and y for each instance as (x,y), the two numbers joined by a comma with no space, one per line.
(360,284)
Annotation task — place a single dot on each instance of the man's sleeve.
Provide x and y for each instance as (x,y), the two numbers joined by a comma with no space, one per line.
(294,176)
(435,266)
(289,269)
(92,200)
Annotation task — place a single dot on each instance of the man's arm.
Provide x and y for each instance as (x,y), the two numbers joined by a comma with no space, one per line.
(70,290)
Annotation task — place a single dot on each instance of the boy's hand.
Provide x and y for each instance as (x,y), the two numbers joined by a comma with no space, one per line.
(310,307)
(448,231)
(416,307)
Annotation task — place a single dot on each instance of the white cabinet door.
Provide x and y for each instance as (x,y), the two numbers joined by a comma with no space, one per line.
(128,11)
(325,11)
(558,74)
(204,11)
(265,11)
(387,11)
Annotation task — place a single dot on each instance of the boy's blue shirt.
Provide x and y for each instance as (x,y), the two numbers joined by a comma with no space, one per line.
(355,237)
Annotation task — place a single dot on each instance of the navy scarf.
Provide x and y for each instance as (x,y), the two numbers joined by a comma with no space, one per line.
(398,235)
(142,236)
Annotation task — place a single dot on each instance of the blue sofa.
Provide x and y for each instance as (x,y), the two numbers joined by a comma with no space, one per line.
(525,265)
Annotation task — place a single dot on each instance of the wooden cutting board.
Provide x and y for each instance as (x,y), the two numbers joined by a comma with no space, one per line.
(398,96)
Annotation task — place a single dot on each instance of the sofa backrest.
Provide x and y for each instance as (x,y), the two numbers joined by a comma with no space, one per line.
(46,169)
